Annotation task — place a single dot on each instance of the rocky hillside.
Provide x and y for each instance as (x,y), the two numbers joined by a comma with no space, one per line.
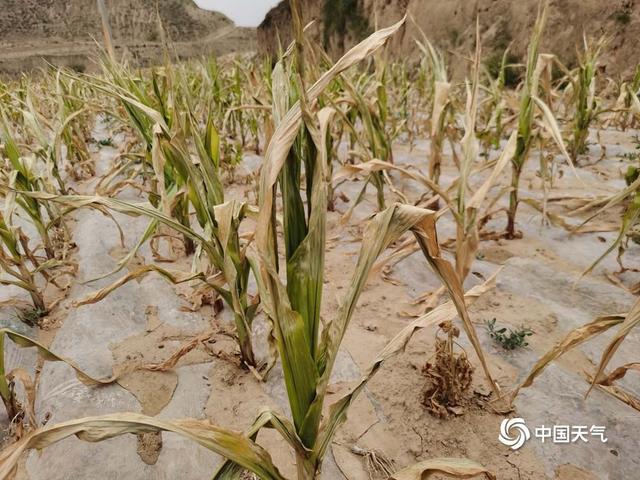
(450,25)
(63,32)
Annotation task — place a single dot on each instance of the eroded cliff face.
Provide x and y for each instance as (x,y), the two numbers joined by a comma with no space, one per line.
(450,25)
(33,20)
(63,32)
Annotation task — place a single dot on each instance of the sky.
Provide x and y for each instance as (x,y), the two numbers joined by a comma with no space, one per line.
(245,13)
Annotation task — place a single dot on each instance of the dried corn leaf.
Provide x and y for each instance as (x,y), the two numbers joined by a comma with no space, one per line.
(573,339)
(25,342)
(267,419)
(629,220)
(551,125)
(22,376)
(173,276)
(619,393)
(454,467)
(618,373)
(631,321)
(229,444)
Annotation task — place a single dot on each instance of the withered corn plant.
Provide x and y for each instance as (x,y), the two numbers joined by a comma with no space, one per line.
(402,99)
(469,210)
(147,106)
(584,91)
(369,110)
(15,263)
(73,117)
(534,116)
(25,174)
(626,111)
(45,136)
(217,241)
(494,105)
(29,263)
(292,301)
(441,104)
(525,118)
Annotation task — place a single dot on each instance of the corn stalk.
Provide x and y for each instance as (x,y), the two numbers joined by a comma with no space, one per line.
(525,118)
(586,107)
(441,87)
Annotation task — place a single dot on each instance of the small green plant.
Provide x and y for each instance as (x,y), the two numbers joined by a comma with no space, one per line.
(507,338)
(106,142)
(31,316)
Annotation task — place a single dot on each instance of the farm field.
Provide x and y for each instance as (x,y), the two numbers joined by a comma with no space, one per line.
(238,268)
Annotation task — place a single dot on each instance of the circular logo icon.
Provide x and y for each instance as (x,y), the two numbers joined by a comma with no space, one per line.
(514,433)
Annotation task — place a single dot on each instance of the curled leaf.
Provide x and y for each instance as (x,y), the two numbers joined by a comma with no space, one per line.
(573,339)
(227,443)
(454,467)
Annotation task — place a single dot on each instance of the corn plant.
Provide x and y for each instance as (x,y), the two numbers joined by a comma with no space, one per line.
(23,175)
(525,119)
(47,137)
(73,118)
(146,107)
(467,208)
(14,261)
(374,140)
(626,110)
(495,104)
(441,87)
(19,258)
(586,107)
(228,267)
(308,354)
(402,117)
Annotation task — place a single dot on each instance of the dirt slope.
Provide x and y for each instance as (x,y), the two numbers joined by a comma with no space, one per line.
(63,32)
(450,24)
